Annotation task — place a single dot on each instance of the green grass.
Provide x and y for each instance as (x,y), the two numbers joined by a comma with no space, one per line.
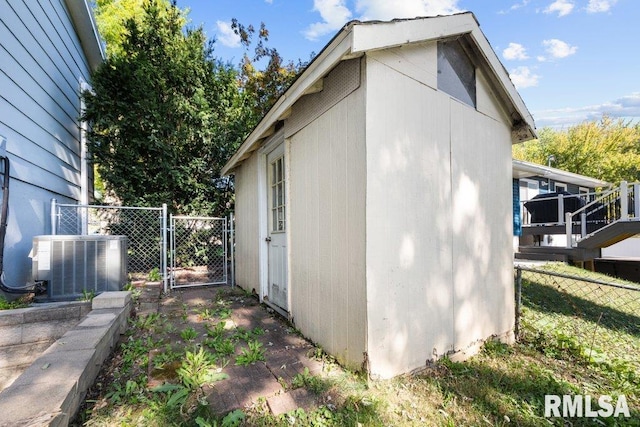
(10,305)
(598,323)
(575,339)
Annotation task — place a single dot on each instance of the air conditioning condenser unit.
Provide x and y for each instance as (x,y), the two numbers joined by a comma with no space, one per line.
(75,265)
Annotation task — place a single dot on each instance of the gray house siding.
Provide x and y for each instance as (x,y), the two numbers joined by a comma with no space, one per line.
(42,67)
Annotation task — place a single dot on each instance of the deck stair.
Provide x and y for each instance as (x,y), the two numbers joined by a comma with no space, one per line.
(610,218)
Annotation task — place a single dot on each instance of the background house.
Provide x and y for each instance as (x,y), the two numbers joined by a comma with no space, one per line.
(530,180)
(373,201)
(621,259)
(48,49)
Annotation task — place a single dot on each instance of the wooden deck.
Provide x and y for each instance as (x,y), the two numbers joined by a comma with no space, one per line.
(586,249)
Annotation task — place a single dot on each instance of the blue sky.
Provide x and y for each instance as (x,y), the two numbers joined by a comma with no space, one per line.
(571,60)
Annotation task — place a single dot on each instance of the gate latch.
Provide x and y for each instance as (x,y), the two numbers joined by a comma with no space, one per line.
(267,239)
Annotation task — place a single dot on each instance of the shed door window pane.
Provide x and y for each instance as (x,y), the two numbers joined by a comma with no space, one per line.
(456,73)
(277,201)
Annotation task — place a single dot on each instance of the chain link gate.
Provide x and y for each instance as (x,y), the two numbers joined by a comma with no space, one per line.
(199,251)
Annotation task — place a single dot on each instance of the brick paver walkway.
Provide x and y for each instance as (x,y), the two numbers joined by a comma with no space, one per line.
(286,353)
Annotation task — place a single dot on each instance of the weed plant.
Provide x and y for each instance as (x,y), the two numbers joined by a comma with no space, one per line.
(502,385)
(251,354)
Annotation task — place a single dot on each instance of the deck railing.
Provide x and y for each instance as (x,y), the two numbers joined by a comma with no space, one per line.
(561,202)
(618,204)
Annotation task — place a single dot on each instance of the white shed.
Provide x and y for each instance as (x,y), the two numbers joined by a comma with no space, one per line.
(373,201)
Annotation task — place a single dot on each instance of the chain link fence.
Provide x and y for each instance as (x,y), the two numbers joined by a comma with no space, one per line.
(558,310)
(198,251)
(144,228)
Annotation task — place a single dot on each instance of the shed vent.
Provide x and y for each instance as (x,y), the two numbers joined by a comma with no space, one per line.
(73,265)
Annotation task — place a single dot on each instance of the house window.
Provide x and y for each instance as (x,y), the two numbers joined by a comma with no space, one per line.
(456,72)
(560,187)
(586,195)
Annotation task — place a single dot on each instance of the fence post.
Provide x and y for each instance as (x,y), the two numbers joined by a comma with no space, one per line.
(518,300)
(84,220)
(53,217)
(232,249)
(624,201)
(163,261)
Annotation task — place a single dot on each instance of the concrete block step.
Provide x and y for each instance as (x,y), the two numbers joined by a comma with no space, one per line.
(46,312)
(36,331)
(42,322)
(50,390)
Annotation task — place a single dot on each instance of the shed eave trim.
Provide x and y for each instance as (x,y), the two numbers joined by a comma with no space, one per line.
(336,52)
(384,35)
(524,124)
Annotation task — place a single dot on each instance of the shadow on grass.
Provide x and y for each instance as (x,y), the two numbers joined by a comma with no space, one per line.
(552,299)
(515,394)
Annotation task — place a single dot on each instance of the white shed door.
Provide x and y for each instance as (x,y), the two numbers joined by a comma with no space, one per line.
(277,237)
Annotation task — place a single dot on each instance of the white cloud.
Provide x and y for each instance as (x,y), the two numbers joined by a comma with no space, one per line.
(226,36)
(519,5)
(599,6)
(627,107)
(513,7)
(522,77)
(561,7)
(541,58)
(515,51)
(559,49)
(268,1)
(387,10)
(334,15)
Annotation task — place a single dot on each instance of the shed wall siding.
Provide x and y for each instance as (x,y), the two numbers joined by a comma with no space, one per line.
(247,225)
(482,226)
(486,101)
(427,155)
(41,65)
(327,240)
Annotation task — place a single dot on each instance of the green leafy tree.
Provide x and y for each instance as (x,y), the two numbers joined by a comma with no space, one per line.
(262,87)
(164,115)
(112,16)
(607,149)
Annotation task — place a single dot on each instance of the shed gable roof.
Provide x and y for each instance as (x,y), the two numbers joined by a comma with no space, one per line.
(356,38)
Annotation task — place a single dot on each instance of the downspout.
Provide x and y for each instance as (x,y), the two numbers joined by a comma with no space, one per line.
(84,166)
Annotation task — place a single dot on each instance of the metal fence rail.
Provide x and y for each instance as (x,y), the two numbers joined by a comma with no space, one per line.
(600,318)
